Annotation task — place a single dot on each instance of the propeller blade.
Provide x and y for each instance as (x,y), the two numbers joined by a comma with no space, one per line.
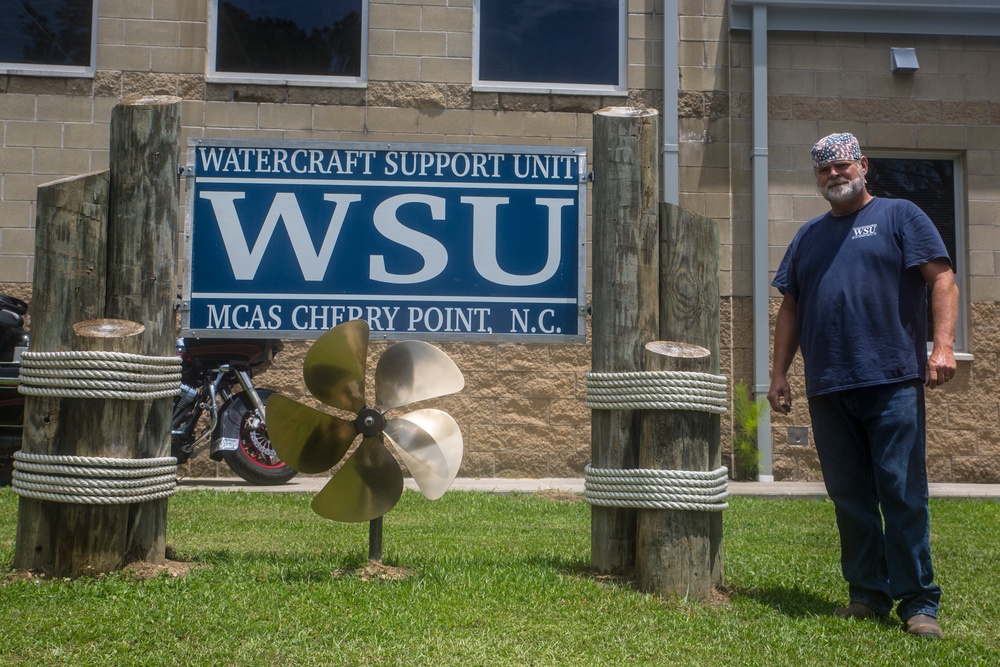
(413,371)
(334,367)
(308,440)
(367,486)
(430,444)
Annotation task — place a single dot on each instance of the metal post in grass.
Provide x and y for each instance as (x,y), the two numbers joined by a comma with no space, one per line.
(375,540)
(625,294)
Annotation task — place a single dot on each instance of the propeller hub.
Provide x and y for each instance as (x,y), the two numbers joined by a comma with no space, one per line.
(369,422)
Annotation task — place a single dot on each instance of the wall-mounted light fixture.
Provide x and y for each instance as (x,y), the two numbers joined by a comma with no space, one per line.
(903,59)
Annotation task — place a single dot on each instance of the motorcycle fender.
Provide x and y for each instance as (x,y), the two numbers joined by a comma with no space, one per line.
(226,436)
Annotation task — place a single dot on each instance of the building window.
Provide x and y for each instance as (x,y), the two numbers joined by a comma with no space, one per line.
(569,45)
(295,41)
(932,183)
(55,37)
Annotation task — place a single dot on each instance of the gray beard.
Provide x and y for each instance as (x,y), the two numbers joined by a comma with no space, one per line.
(844,191)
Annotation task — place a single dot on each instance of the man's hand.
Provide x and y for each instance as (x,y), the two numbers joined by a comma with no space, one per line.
(786,342)
(941,367)
(780,395)
(944,308)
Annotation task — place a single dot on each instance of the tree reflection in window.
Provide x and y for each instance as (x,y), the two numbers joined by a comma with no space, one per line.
(562,42)
(292,37)
(46,32)
(928,183)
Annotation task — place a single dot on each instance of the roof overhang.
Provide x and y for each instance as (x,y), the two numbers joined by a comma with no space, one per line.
(974,18)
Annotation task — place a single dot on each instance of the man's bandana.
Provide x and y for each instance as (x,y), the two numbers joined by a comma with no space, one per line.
(834,148)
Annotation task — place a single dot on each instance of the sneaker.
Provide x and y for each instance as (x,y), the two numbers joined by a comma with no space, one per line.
(922,625)
(857,610)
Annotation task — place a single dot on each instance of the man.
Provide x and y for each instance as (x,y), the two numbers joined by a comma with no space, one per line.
(854,283)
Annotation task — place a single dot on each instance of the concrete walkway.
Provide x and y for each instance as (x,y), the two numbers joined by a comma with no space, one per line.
(302,484)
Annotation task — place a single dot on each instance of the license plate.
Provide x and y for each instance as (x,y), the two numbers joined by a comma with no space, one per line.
(229,444)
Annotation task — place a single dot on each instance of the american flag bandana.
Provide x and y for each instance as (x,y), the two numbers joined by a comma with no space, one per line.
(835,147)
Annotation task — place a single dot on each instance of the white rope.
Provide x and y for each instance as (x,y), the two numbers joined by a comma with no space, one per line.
(102,355)
(93,480)
(93,500)
(114,463)
(77,471)
(97,374)
(95,483)
(656,390)
(657,489)
(121,376)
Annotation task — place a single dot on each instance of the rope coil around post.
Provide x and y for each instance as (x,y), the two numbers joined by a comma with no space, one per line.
(655,390)
(641,488)
(90,480)
(96,374)
(656,489)
(93,480)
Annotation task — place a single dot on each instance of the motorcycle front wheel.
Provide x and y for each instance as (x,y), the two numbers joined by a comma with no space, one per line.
(254,460)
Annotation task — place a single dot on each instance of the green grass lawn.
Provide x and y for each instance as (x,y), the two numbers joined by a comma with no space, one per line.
(493,580)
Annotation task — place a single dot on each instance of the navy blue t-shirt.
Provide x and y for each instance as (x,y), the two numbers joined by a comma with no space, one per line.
(862,301)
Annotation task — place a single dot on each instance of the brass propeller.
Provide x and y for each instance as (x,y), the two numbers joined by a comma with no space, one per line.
(310,441)
(370,482)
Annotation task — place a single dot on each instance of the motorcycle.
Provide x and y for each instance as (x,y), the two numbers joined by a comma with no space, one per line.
(213,372)
(13,341)
(218,406)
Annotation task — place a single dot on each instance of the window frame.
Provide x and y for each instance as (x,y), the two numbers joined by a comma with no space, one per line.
(962,350)
(488,85)
(35,69)
(212,75)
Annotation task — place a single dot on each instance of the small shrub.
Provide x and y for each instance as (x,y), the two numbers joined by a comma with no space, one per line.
(746,415)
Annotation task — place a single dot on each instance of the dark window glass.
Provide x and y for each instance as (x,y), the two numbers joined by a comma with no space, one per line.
(930,184)
(46,32)
(550,41)
(289,37)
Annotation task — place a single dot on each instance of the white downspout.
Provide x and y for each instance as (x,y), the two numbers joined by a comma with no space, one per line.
(671,81)
(761,268)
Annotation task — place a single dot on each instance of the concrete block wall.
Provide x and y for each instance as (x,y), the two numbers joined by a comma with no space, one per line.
(522,411)
(706,144)
(818,84)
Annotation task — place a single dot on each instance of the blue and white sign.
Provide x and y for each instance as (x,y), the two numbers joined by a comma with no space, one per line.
(433,242)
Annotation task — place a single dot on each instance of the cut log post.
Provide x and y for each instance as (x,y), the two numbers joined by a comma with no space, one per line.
(674,551)
(689,312)
(92,537)
(69,286)
(142,263)
(106,247)
(625,295)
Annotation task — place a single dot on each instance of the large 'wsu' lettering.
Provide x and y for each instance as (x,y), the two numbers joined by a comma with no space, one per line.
(245,260)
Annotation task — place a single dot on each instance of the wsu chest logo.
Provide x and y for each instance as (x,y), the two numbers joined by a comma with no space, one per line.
(862,232)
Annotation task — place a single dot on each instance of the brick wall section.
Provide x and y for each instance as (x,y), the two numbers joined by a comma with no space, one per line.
(706,140)
(818,85)
(522,413)
(522,410)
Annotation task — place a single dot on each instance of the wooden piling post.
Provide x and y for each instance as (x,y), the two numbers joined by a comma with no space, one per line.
(142,264)
(625,295)
(689,312)
(92,537)
(69,286)
(674,550)
(106,247)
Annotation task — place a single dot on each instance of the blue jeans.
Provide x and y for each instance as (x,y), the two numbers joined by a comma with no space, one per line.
(871,443)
